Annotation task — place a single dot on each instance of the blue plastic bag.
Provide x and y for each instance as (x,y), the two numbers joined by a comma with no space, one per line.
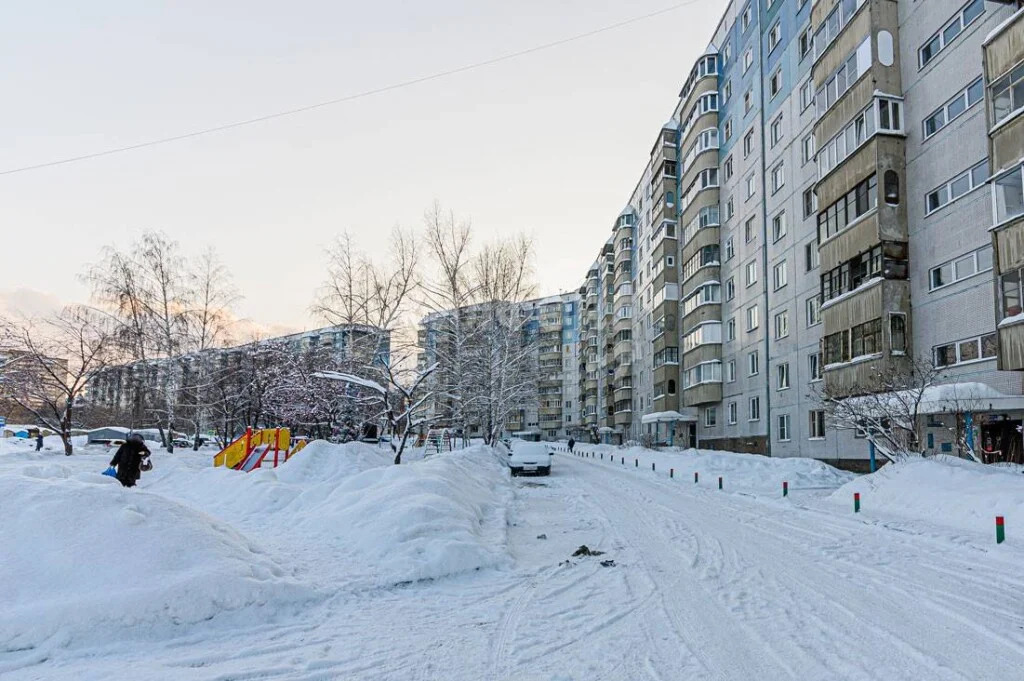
(112,472)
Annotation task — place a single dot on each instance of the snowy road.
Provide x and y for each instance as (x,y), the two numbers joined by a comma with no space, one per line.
(706,585)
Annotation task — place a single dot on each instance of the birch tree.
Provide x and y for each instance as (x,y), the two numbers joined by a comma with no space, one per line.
(506,352)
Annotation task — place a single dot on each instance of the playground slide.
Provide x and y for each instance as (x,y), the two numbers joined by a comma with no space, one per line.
(255,458)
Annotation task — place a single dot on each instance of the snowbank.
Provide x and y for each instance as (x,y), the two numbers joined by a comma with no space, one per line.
(741,472)
(943,490)
(362,520)
(85,560)
(433,518)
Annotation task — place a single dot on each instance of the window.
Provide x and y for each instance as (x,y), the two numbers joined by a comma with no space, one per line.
(774,36)
(731,411)
(780,275)
(805,41)
(811,256)
(778,176)
(866,339)
(748,60)
(891,187)
(898,333)
(730,329)
(753,318)
(810,202)
(833,25)
(1009,195)
(730,371)
(784,428)
(669,355)
(806,94)
(816,424)
(836,348)
(961,102)
(949,32)
(730,209)
(782,324)
(782,376)
(748,143)
(751,186)
(748,100)
(776,130)
(751,273)
(778,226)
(730,288)
(707,256)
(727,130)
(960,268)
(727,167)
(754,409)
(749,230)
(807,149)
(884,114)
(855,204)
(964,351)
(706,294)
(1006,93)
(753,363)
(849,72)
(707,372)
(710,417)
(730,249)
(707,333)
(726,54)
(814,366)
(813,311)
(745,18)
(968,180)
(775,83)
(671,387)
(888,260)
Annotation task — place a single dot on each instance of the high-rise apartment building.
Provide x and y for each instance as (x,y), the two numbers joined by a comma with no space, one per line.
(816,211)
(550,331)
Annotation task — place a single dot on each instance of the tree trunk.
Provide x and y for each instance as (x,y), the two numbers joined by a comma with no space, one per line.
(65,430)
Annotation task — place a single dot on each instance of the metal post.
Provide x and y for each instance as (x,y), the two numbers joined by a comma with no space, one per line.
(785,488)
(1000,530)
(856,502)
(719,482)
(871,452)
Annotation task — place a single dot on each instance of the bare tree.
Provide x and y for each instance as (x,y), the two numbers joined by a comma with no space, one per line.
(58,359)
(885,408)
(448,295)
(399,400)
(505,353)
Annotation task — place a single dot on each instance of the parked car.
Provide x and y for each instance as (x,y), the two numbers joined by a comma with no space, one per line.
(181,442)
(529,457)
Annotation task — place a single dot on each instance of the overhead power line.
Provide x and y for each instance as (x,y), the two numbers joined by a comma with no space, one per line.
(352,97)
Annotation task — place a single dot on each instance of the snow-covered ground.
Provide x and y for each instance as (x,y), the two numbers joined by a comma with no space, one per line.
(338,565)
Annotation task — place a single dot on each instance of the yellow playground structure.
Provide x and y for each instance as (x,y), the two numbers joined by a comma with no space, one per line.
(254,448)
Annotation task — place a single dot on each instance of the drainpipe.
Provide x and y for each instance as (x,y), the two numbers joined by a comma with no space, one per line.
(764,238)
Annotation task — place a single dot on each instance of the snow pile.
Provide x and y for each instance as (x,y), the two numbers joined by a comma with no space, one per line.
(943,490)
(357,520)
(750,473)
(85,560)
(433,518)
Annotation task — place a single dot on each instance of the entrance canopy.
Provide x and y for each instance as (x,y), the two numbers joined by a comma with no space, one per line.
(669,417)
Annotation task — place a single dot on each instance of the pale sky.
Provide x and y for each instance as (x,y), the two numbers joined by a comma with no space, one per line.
(551,143)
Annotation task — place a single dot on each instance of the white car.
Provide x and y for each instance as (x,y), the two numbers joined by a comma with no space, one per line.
(530,457)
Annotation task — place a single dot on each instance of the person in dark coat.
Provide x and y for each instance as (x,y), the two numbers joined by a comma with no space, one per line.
(129,460)
(572,443)
(39,442)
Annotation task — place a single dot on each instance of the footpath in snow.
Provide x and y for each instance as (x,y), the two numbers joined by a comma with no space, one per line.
(338,565)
